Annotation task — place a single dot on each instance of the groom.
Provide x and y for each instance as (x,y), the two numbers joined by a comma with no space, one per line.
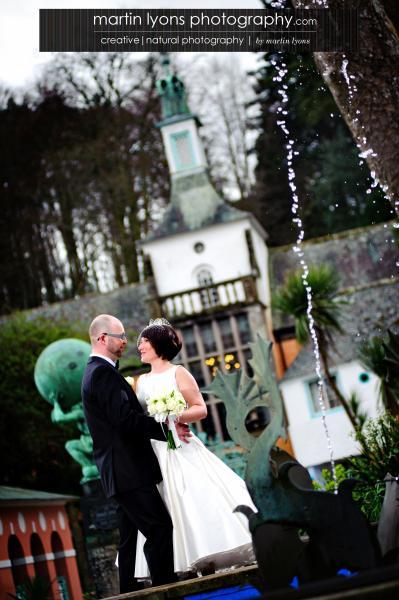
(122,450)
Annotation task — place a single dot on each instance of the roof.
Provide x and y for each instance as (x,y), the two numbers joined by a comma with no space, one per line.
(173,221)
(178,119)
(129,302)
(194,204)
(11,495)
(370,311)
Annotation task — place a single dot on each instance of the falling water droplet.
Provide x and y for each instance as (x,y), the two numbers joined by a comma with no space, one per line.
(366,151)
(297,248)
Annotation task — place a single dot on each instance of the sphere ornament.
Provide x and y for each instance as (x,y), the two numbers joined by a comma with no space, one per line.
(59,371)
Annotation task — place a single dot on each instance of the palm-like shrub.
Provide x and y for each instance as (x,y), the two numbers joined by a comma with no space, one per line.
(292,300)
(37,588)
(381,356)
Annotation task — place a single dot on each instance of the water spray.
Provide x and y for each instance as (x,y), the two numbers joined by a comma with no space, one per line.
(281,70)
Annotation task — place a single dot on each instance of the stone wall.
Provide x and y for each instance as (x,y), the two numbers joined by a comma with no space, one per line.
(128,303)
(360,255)
(103,569)
(363,258)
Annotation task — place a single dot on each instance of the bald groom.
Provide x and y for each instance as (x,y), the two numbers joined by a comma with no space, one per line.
(128,467)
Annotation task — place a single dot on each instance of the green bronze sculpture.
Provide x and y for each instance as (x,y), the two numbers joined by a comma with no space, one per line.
(58,376)
(172,92)
(339,536)
(241,395)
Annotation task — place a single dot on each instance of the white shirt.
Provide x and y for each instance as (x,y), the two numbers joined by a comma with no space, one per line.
(111,362)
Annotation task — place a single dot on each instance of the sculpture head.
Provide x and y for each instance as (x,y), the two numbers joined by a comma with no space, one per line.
(59,371)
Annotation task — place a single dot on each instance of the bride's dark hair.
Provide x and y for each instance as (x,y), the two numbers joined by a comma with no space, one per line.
(164,339)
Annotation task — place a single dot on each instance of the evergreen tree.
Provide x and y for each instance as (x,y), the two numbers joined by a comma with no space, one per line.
(331,183)
(364,85)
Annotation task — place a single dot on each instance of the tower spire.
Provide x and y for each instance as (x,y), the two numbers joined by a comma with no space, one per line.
(165,63)
(171,91)
(194,200)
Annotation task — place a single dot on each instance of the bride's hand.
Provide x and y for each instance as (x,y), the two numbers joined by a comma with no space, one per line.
(183,432)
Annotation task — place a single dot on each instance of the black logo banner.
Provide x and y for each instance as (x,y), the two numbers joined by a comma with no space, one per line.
(198,30)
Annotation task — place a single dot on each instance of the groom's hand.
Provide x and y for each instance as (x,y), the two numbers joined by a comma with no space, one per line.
(183,432)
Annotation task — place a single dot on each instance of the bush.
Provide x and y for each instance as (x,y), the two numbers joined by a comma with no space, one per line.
(379,444)
(329,484)
(38,588)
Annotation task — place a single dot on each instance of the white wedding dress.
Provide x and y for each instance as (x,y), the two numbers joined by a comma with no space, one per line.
(200,492)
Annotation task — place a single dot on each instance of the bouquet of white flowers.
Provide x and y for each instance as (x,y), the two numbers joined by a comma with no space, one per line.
(167,405)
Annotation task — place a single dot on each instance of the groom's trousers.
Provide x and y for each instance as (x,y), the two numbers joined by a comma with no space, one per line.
(143,509)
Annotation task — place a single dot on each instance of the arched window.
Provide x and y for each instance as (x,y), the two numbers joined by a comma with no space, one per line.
(17,559)
(209,295)
(60,566)
(39,557)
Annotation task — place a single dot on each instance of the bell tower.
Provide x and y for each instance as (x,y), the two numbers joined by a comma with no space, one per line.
(179,127)
(208,259)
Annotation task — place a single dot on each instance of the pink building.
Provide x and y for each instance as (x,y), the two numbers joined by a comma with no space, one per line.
(35,540)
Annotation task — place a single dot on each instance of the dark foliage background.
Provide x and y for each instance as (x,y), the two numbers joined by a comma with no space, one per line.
(82,176)
(31,446)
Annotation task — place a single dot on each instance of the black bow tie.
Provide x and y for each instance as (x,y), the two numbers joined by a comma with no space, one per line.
(117,365)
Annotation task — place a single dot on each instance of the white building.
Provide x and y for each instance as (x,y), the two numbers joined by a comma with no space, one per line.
(369,290)
(208,259)
(304,414)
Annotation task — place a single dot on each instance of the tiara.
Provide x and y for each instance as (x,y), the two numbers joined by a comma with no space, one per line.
(159,322)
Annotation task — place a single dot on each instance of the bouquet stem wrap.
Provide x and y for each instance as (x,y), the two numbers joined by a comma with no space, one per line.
(173,439)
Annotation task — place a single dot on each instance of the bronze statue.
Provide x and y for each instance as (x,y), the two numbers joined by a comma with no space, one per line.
(58,376)
(339,536)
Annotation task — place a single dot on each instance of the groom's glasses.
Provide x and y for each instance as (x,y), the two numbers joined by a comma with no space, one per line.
(120,336)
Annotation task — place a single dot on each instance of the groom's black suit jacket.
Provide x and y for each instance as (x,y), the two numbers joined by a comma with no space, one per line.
(120,430)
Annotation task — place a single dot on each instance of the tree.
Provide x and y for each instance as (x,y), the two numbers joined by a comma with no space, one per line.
(129,176)
(365,86)
(379,443)
(341,189)
(22,238)
(37,588)
(44,183)
(82,192)
(331,184)
(292,300)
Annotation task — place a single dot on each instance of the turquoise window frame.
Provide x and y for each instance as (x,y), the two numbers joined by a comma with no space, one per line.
(318,414)
(174,137)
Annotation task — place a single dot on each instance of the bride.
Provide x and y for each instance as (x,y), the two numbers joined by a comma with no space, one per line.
(199,490)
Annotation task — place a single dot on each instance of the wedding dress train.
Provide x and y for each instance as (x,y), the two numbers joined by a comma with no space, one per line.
(200,492)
